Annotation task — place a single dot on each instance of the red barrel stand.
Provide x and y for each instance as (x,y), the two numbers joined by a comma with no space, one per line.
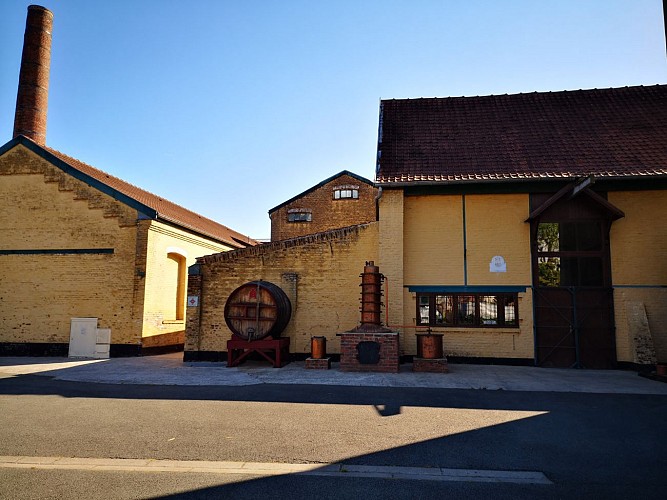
(275,351)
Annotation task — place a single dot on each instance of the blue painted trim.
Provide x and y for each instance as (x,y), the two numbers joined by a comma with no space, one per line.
(9,145)
(59,251)
(467,288)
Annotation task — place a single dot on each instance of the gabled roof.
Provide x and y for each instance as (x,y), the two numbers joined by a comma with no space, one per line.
(616,132)
(579,188)
(150,205)
(319,185)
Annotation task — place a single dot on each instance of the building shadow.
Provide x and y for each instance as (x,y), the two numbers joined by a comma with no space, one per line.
(593,445)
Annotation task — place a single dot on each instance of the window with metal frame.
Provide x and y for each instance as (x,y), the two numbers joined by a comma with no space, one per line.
(299,217)
(341,194)
(468,310)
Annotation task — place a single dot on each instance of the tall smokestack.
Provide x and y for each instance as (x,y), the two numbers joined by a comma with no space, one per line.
(33,93)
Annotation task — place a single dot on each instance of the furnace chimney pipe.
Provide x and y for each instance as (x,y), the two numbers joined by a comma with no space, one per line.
(33,92)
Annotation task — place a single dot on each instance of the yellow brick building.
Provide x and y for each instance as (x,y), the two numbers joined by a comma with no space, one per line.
(80,243)
(527,229)
(90,265)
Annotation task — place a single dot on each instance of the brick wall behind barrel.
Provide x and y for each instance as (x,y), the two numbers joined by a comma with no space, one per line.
(319,273)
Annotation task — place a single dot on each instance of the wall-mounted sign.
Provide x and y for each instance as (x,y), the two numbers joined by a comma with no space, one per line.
(497,265)
(193,300)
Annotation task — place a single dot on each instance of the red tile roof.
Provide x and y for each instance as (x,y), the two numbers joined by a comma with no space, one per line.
(616,132)
(164,209)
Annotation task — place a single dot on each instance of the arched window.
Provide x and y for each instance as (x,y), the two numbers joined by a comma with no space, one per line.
(177,264)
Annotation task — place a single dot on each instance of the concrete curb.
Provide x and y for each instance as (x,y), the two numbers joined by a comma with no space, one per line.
(274,469)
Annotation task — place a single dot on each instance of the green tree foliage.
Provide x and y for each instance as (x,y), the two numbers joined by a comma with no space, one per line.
(548,241)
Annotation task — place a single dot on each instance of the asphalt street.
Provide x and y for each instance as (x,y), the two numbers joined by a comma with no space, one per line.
(588,445)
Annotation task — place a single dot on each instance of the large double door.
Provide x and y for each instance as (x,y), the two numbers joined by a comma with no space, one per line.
(574,309)
(575,327)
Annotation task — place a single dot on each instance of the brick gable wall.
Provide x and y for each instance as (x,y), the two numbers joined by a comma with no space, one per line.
(326,212)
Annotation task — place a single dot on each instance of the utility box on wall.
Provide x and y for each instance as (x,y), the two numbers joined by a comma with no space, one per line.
(102,343)
(88,341)
(82,337)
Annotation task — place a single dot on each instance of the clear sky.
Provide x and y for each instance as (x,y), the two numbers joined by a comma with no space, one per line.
(230,107)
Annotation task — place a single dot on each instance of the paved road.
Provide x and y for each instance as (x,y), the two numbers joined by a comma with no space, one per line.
(586,445)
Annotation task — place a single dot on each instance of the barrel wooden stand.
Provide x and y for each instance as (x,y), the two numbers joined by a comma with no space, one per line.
(275,351)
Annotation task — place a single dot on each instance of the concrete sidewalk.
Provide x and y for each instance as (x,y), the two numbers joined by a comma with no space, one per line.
(169,369)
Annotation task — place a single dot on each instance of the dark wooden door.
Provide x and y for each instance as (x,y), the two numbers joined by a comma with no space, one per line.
(554,325)
(573,299)
(575,327)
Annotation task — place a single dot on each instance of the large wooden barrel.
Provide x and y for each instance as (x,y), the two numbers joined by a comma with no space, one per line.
(258,309)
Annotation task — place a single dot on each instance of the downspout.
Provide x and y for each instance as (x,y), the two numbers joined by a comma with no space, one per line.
(377,203)
(386,310)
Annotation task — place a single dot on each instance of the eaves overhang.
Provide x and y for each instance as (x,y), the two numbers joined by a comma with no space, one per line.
(234,244)
(516,180)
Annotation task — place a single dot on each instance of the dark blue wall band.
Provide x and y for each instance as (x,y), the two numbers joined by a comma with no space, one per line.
(59,251)
(464,288)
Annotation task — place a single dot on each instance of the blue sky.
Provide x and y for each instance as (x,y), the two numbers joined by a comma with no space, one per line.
(230,108)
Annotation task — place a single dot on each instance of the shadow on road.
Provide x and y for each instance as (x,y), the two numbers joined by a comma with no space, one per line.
(595,445)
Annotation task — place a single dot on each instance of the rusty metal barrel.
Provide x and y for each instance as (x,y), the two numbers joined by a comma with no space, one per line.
(318,347)
(429,345)
(258,309)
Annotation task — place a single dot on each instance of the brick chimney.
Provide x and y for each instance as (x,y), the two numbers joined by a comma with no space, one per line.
(33,92)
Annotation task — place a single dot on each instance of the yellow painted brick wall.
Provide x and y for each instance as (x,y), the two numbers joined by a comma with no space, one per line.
(434,249)
(639,266)
(319,273)
(390,253)
(639,240)
(327,213)
(43,208)
(655,303)
(159,312)
(495,225)
(433,240)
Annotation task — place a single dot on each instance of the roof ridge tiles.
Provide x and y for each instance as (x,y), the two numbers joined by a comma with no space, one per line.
(616,132)
(530,93)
